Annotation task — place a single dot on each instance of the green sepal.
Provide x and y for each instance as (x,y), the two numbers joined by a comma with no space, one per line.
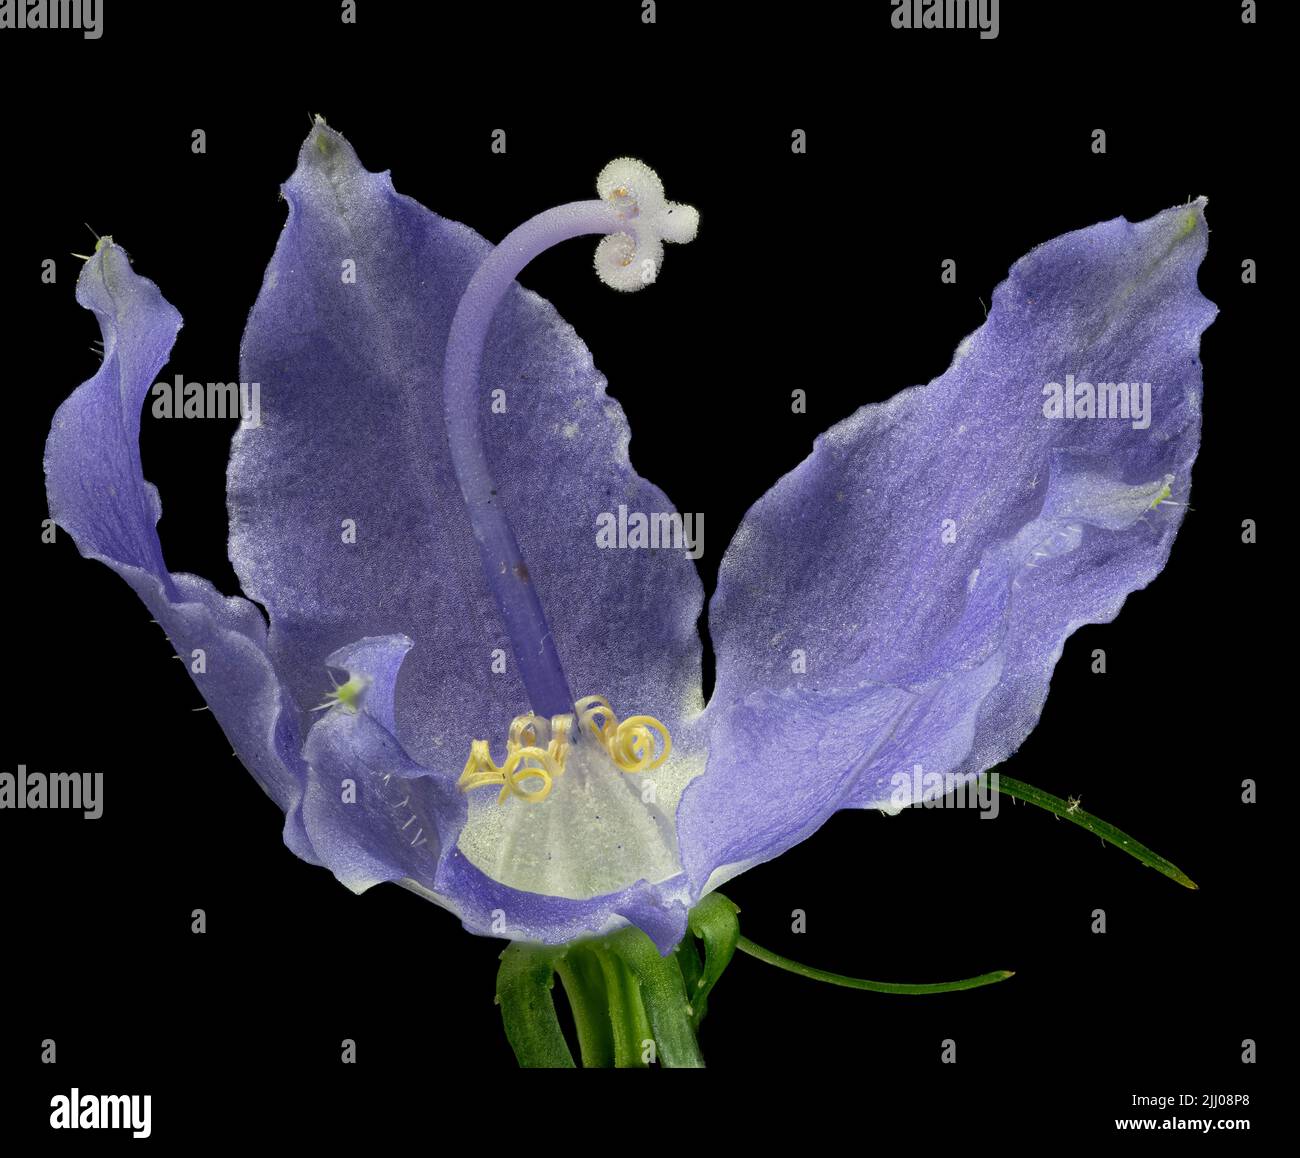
(663,995)
(626,1012)
(524,993)
(583,976)
(714,922)
(688,961)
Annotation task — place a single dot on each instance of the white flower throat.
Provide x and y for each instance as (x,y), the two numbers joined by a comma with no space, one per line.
(572,818)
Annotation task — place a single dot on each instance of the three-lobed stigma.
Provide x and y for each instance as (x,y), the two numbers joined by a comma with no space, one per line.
(536,749)
(630,259)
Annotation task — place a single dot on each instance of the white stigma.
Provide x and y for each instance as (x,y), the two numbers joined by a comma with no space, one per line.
(631,259)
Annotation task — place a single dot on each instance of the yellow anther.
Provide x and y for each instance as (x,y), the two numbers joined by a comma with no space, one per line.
(515,772)
(631,745)
(526,759)
(523,732)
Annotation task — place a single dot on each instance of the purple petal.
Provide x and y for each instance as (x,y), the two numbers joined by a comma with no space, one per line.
(780,762)
(372,814)
(1053,523)
(98,494)
(352,428)
(492,909)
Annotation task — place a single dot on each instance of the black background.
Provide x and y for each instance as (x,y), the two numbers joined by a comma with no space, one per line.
(818,271)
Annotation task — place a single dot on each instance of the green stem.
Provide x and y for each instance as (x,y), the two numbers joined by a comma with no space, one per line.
(1070,810)
(745,945)
(584,984)
(524,994)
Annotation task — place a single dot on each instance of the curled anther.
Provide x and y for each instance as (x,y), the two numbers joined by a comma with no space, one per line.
(523,765)
(527,761)
(635,742)
(632,743)
(536,750)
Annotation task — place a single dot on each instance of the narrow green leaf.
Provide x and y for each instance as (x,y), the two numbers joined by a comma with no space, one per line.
(745,945)
(1070,810)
